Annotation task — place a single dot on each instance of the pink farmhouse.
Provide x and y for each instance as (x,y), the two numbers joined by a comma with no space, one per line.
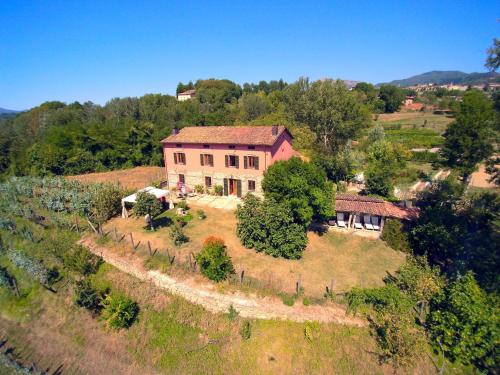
(234,157)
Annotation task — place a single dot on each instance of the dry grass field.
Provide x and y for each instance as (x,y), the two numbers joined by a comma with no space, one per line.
(133,178)
(172,336)
(350,260)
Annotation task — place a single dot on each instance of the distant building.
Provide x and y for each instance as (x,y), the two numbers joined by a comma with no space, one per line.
(234,157)
(409,104)
(186,95)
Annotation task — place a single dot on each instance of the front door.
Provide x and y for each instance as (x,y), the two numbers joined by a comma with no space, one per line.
(232,186)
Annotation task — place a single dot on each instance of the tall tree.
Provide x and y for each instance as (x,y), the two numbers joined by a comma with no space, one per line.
(493,59)
(329,109)
(469,139)
(392,96)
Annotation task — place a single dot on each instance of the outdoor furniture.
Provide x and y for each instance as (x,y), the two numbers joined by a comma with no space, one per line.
(331,222)
(357,222)
(376,222)
(368,224)
(340,220)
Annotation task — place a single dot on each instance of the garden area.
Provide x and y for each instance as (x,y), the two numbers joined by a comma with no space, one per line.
(348,260)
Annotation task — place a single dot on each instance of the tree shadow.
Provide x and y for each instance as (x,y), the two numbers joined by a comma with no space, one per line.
(318,228)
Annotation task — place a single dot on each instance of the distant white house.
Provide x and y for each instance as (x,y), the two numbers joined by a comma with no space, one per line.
(186,95)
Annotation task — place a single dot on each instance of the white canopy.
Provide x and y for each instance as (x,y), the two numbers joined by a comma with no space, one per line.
(158,193)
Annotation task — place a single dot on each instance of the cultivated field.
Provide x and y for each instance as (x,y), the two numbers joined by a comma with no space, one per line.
(437,123)
(133,178)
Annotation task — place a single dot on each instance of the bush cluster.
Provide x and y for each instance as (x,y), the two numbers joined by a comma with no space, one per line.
(213,259)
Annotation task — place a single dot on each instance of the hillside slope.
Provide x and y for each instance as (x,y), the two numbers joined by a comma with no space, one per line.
(441,77)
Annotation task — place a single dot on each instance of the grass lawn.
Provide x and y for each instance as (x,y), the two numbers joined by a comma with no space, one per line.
(348,259)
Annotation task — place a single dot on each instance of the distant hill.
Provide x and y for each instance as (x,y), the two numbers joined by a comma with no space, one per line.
(4,113)
(443,77)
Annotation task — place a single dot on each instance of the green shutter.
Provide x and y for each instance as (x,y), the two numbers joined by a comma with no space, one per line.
(211,160)
(226,189)
(227,162)
(237,161)
(201,160)
(238,188)
(245,162)
(175,158)
(256,162)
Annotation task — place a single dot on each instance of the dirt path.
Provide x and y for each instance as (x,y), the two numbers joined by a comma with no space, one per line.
(204,295)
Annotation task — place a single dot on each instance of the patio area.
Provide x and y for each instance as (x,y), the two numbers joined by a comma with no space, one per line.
(215,201)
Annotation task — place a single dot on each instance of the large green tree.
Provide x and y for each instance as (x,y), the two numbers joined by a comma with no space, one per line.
(303,186)
(392,96)
(470,139)
(330,110)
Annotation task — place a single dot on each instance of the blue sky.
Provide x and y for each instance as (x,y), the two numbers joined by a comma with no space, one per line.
(97,50)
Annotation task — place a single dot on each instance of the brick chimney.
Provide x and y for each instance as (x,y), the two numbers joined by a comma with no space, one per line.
(175,131)
(275,130)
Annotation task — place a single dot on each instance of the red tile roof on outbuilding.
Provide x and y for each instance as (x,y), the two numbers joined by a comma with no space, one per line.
(373,206)
(235,135)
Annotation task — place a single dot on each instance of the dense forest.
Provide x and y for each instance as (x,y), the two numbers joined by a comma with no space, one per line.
(60,139)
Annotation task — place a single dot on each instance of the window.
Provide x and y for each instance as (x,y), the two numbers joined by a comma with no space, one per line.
(179,158)
(182,180)
(208,182)
(251,185)
(206,146)
(232,161)
(251,147)
(232,147)
(207,159)
(251,162)
(178,145)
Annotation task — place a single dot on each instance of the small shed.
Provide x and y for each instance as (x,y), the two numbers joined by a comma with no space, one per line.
(160,194)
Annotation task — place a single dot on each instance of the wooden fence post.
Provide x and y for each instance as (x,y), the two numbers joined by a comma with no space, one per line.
(116,234)
(297,285)
(132,239)
(242,275)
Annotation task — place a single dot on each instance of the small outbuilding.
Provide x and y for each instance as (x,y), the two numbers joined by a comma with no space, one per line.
(160,194)
(361,212)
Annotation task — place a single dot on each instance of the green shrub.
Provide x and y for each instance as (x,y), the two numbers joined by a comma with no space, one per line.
(105,202)
(199,189)
(88,297)
(81,260)
(183,205)
(246,330)
(395,235)
(425,157)
(218,190)
(306,301)
(119,311)
(177,235)
(287,299)
(147,204)
(201,214)
(213,260)
(232,313)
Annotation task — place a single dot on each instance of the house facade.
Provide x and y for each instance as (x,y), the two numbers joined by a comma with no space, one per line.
(234,157)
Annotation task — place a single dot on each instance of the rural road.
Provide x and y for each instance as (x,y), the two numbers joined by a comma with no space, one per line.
(247,306)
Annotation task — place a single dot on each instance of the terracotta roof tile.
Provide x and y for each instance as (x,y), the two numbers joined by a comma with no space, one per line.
(373,206)
(248,135)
